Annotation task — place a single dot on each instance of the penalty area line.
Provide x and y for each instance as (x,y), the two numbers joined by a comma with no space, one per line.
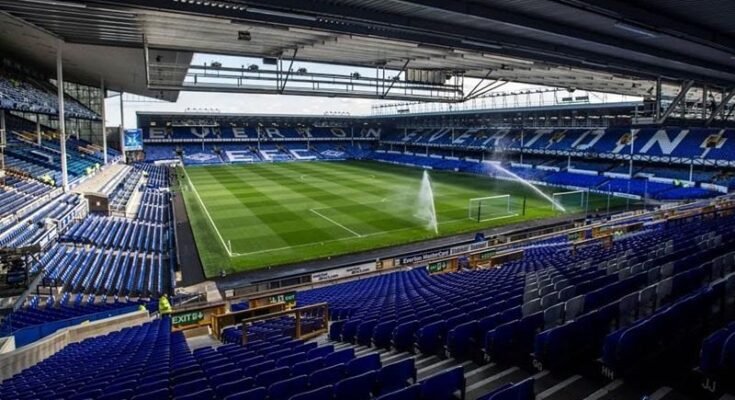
(494,218)
(335,222)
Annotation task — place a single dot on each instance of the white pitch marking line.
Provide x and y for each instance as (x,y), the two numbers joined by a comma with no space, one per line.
(335,222)
(501,217)
(294,247)
(221,239)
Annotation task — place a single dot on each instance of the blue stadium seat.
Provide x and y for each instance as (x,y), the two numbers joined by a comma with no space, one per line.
(397,375)
(443,385)
(307,367)
(321,393)
(225,389)
(357,387)
(253,394)
(285,389)
(520,391)
(412,392)
(266,378)
(339,357)
(327,376)
(360,365)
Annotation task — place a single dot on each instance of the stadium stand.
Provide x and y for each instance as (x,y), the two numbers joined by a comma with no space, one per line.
(88,258)
(21,92)
(564,307)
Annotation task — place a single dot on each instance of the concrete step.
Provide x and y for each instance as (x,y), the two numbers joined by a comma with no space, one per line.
(572,388)
(494,381)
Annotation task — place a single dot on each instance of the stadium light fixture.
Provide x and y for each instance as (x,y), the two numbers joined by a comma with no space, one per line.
(58,3)
(284,14)
(507,59)
(483,44)
(634,29)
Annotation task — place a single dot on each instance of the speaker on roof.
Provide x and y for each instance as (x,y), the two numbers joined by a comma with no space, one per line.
(270,61)
(433,77)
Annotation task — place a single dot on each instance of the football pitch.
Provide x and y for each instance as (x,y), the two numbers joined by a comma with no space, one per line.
(247,216)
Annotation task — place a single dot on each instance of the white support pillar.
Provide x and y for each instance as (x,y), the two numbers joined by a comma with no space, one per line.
(62,126)
(632,144)
(38,129)
(103,115)
(122,129)
(3,140)
(691,170)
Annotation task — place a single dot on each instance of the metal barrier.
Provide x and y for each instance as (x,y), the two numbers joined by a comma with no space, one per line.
(321,309)
(223,319)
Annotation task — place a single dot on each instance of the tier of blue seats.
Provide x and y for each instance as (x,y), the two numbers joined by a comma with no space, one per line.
(199,154)
(555,303)
(32,169)
(12,201)
(157,152)
(639,187)
(611,140)
(49,155)
(282,326)
(119,197)
(588,320)
(36,314)
(31,227)
(154,207)
(118,233)
(226,133)
(22,93)
(571,179)
(107,272)
(45,161)
(280,368)
(149,362)
(717,355)
(120,363)
(26,186)
(157,176)
(84,158)
(195,155)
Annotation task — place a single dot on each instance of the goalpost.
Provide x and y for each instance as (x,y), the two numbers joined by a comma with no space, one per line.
(573,200)
(488,208)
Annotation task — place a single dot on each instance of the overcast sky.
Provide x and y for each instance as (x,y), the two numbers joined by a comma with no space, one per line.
(273,104)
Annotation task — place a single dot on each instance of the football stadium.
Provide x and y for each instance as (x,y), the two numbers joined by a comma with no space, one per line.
(367,200)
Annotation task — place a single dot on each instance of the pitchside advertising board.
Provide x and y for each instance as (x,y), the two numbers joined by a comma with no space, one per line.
(432,255)
(133,139)
(343,272)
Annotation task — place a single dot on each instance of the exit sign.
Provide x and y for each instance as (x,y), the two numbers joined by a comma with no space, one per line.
(187,318)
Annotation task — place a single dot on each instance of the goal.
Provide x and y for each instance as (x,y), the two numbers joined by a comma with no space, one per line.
(488,208)
(575,200)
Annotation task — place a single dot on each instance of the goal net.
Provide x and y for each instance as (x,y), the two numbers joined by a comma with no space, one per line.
(488,208)
(569,201)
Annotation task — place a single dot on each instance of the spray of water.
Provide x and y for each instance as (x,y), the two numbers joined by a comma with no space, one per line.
(425,210)
(528,184)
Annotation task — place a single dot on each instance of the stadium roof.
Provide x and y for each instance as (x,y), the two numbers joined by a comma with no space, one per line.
(599,45)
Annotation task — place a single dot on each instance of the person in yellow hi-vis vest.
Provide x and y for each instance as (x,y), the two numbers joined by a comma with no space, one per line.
(164,307)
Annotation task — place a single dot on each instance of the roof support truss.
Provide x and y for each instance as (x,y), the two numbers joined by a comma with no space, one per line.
(680,98)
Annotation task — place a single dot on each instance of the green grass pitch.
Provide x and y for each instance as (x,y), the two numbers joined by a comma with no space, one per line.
(260,215)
